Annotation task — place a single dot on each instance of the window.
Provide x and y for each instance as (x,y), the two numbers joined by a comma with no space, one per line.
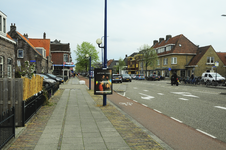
(42,51)
(165,61)
(20,53)
(0,23)
(4,25)
(1,67)
(174,60)
(66,58)
(158,62)
(168,48)
(210,60)
(9,67)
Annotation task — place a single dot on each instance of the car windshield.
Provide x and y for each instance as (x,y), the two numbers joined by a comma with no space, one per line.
(126,75)
(216,74)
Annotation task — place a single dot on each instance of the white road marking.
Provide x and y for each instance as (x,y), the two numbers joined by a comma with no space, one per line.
(134,100)
(128,97)
(220,107)
(206,133)
(146,90)
(160,94)
(145,105)
(134,87)
(157,111)
(185,94)
(146,96)
(126,104)
(184,99)
(176,119)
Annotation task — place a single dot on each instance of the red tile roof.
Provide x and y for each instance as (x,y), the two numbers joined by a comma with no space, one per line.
(200,52)
(27,41)
(109,62)
(222,56)
(9,36)
(181,45)
(45,43)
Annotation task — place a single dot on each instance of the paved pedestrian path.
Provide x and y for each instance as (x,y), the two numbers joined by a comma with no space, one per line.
(75,119)
(76,123)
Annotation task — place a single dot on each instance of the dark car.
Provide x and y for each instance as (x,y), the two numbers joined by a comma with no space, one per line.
(51,76)
(116,78)
(126,77)
(154,77)
(140,77)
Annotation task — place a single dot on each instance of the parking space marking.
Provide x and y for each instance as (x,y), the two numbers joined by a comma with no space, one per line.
(206,133)
(145,105)
(220,107)
(160,94)
(157,111)
(146,90)
(176,119)
(128,97)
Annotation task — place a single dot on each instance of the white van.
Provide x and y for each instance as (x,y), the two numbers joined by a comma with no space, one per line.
(211,76)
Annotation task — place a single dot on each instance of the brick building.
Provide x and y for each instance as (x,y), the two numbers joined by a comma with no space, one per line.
(26,51)
(61,57)
(7,56)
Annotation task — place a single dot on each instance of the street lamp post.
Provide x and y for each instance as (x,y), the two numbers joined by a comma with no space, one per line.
(87,56)
(99,41)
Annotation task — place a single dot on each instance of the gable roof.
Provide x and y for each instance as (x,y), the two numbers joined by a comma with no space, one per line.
(222,56)
(200,52)
(27,42)
(181,44)
(109,62)
(45,43)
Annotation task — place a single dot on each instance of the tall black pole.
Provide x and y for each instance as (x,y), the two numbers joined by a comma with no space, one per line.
(105,48)
(89,72)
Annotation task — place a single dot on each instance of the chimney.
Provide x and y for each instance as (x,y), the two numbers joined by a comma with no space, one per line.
(161,39)
(168,37)
(155,42)
(44,35)
(13,27)
(26,36)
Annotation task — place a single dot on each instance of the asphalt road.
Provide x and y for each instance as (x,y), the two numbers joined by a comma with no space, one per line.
(196,110)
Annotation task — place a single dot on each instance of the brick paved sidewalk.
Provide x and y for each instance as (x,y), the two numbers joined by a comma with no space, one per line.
(34,128)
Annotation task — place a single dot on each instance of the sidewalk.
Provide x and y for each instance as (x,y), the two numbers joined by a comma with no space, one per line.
(79,122)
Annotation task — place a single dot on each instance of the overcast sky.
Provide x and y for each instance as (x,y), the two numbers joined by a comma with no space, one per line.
(131,23)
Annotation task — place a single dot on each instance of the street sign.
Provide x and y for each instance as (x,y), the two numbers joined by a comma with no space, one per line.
(169,69)
(216,63)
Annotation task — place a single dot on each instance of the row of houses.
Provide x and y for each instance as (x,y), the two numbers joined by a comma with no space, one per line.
(178,55)
(15,48)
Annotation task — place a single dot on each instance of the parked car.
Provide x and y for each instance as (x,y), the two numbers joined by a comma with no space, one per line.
(153,77)
(133,76)
(126,77)
(140,77)
(116,78)
(47,81)
(51,76)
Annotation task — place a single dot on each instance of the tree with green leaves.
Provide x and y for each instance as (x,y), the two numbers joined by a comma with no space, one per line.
(119,67)
(82,62)
(149,56)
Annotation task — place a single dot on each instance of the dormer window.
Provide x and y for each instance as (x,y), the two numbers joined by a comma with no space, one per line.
(42,51)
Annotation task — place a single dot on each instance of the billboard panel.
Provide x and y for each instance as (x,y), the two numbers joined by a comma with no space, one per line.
(103,81)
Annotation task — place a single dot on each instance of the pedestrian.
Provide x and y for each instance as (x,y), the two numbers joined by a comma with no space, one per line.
(192,78)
